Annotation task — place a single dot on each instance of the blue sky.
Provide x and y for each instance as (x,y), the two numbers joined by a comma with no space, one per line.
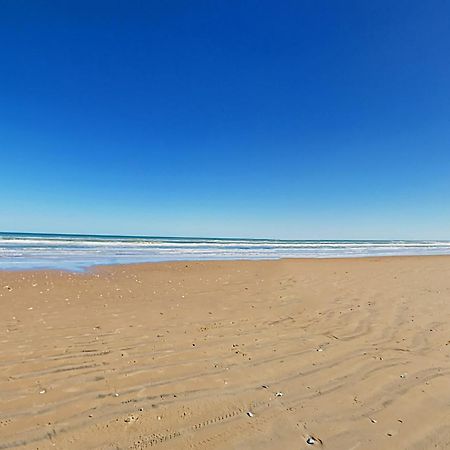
(294,119)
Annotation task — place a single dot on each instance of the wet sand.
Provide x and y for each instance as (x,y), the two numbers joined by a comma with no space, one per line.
(348,354)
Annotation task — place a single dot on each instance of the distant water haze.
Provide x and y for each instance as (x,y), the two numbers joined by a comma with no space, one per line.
(78,252)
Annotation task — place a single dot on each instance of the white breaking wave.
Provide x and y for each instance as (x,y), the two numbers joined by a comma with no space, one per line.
(23,251)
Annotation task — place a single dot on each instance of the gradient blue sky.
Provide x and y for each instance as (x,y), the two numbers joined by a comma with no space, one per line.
(291,119)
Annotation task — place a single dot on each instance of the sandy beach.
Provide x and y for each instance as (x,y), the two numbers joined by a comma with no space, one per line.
(287,354)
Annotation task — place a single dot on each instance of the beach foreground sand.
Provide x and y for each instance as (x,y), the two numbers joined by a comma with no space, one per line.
(350,354)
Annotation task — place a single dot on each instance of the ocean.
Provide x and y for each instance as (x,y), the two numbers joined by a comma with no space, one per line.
(78,252)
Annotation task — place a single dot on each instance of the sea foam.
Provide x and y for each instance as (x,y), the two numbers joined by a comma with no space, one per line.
(77,252)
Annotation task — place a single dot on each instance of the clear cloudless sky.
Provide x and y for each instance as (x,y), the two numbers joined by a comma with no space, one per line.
(286,119)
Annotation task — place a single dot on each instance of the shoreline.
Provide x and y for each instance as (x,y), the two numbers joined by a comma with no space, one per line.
(177,354)
(79,253)
(94,267)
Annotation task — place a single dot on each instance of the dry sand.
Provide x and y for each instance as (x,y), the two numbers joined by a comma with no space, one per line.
(175,356)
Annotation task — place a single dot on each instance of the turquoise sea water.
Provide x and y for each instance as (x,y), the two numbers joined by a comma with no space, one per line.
(77,252)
